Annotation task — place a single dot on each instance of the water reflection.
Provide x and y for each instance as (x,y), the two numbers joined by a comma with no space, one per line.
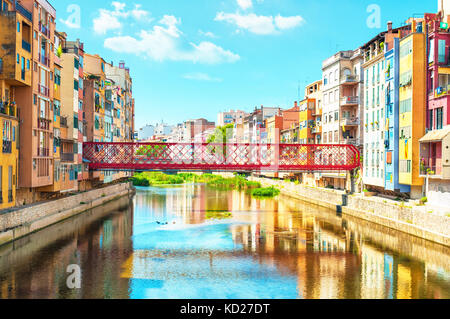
(163,246)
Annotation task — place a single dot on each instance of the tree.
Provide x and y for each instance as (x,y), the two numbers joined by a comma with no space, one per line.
(222,135)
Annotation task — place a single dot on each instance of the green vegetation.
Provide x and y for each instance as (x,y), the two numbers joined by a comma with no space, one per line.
(423,200)
(265,192)
(156,178)
(218,215)
(237,182)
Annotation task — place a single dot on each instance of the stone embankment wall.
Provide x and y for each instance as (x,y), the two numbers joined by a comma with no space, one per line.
(26,220)
(412,220)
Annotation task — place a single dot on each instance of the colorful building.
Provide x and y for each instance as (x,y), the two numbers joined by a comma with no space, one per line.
(343,102)
(376,122)
(392,116)
(434,146)
(412,103)
(313,91)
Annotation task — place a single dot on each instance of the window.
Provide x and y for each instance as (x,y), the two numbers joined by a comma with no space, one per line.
(439,118)
(441,51)
(18,27)
(28,64)
(405,106)
(75,85)
(18,58)
(1,65)
(34,99)
(76,63)
(10,184)
(430,123)
(75,121)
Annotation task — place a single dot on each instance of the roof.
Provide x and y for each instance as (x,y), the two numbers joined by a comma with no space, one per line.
(437,135)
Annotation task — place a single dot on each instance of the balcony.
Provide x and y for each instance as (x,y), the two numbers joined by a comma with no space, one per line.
(350,100)
(354,121)
(67,157)
(44,30)
(45,91)
(63,122)
(27,14)
(349,79)
(430,167)
(26,46)
(43,152)
(7,147)
(352,141)
(43,124)
(44,60)
(8,109)
(316,129)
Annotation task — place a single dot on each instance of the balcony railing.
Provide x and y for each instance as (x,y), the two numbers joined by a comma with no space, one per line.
(8,109)
(352,141)
(316,129)
(350,100)
(63,122)
(350,121)
(7,147)
(43,152)
(27,14)
(43,124)
(44,60)
(43,90)
(44,30)
(67,157)
(26,46)
(349,79)
(430,167)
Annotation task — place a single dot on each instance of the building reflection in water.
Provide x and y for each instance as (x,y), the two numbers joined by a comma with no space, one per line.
(163,246)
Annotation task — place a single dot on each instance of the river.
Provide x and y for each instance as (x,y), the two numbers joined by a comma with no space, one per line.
(160,244)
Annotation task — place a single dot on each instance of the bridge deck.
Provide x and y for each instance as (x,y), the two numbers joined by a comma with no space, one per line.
(220,157)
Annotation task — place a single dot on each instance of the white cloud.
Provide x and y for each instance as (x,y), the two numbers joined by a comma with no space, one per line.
(163,43)
(262,25)
(201,77)
(106,22)
(207,34)
(70,24)
(284,23)
(245,4)
(112,19)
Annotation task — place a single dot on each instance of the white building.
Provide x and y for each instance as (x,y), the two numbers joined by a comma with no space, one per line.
(342,105)
(231,117)
(374,111)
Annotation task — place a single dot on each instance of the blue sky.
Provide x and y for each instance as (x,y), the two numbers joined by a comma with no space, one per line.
(194,58)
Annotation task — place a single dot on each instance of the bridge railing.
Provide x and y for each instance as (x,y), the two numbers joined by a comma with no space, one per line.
(220,157)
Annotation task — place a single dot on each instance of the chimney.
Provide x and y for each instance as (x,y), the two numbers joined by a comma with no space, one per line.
(295,104)
(389,27)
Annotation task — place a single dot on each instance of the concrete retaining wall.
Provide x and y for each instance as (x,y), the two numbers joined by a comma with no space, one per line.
(408,219)
(21,222)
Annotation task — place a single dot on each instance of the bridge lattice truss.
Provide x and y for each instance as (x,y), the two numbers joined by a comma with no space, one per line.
(220,157)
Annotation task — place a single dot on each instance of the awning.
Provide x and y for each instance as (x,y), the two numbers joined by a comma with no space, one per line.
(437,135)
(444,70)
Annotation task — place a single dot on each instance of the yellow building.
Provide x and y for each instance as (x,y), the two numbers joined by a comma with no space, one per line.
(412,107)
(8,157)
(15,72)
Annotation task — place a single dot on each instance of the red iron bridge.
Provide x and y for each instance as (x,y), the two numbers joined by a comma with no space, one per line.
(220,157)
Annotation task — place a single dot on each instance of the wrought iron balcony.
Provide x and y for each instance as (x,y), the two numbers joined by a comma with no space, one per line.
(67,157)
(7,147)
(43,124)
(43,152)
(43,90)
(350,100)
(44,59)
(45,30)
